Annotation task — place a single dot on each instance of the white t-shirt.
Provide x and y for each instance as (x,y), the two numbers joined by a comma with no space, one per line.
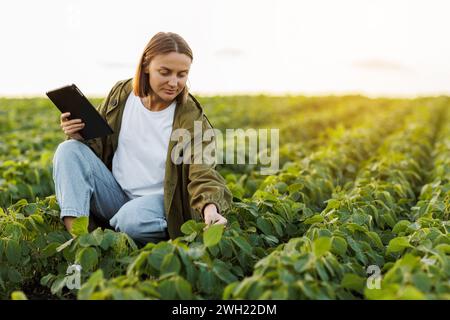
(139,162)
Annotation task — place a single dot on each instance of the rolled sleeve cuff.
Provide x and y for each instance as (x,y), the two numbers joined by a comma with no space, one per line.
(71,213)
(221,205)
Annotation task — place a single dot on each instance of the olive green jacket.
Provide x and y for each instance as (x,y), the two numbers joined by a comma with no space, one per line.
(187,187)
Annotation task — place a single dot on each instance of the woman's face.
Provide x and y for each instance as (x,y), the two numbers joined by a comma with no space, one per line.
(168,74)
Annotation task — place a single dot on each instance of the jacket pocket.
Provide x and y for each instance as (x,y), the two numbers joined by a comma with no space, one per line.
(112,105)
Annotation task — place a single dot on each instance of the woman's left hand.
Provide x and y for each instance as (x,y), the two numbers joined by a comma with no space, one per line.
(212,216)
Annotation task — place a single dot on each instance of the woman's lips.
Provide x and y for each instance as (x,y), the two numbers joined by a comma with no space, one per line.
(170,92)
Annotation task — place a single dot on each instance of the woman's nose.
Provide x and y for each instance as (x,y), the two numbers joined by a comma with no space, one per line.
(173,82)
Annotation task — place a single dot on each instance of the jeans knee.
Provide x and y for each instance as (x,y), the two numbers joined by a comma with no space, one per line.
(128,226)
(128,222)
(68,147)
(139,234)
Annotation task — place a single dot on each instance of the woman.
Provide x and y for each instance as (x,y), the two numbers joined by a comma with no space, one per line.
(128,178)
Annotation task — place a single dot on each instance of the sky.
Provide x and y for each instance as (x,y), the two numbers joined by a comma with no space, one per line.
(375,48)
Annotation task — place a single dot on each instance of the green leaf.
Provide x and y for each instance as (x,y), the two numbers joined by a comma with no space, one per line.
(400,226)
(243,244)
(338,245)
(443,247)
(314,219)
(303,263)
(221,270)
(80,226)
(353,282)
(50,250)
(123,294)
(191,237)
(264,226)
(183,288)
(411,293)
(207,281)
(170,263)
(422,282)
(86,240)
(94,238)
(57,236)
(321,246)
(212,235)
(277,226)
(14,275)
(167,289)
(398,244)
(58,285)
(281,187)
(88,288)
(37,218)
(18,295)
(47,280)
(158,253)
(271,240)
(2,245)
(353,227)
(281,293)
(97,235)
(64,245)
(109,237)
(228,291)
(333,204)
(188,227)
(134,267)
(196,252)
(388,199)
(191,271)
(321,271)
(376,239)
(226,248)
(13,252)
(87,257)
(389,219)
(13,230)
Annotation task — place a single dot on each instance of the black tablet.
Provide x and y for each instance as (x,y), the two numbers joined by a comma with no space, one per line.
(70,99)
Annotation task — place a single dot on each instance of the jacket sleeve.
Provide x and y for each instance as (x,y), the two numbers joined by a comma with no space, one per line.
(206,185)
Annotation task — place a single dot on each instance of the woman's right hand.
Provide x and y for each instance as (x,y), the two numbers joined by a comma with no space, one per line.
(71,127)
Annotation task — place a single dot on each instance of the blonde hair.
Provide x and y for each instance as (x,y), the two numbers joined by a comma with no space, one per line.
(160,43)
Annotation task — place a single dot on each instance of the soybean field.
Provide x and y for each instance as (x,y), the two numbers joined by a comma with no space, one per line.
(358,209)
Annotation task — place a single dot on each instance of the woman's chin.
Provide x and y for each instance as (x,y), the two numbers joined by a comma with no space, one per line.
(169,96)
(165,97)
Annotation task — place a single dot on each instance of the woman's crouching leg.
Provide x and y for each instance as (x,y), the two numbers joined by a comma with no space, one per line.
(83,184)
(143,219)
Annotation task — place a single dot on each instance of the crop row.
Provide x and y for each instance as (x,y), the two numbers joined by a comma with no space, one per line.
(357,233)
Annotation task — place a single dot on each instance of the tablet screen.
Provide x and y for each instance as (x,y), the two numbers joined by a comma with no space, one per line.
(71,99)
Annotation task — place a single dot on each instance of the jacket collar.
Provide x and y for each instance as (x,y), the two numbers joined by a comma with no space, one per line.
(185,114)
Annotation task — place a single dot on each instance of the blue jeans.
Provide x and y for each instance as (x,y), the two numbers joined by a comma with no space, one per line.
(84,186)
